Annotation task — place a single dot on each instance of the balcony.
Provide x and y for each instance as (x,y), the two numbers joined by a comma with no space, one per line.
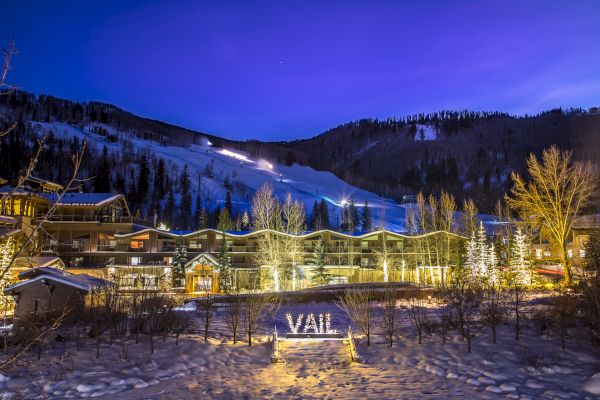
(96,218)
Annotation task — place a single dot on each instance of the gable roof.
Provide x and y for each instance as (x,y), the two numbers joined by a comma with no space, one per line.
(83,199)
(38,262)
(211,259)
(34,276)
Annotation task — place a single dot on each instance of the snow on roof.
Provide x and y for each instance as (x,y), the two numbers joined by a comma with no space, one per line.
(83,199)
(253,233)
(4,219)
(82,281)
(6,232)
(65,280)
(38,262)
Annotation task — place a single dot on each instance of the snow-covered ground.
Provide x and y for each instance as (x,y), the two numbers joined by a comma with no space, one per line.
(221,370)
(304,183)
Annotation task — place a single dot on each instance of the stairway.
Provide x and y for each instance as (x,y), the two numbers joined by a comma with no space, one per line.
(315,351)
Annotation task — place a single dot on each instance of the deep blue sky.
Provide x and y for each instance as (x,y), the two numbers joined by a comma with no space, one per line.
(283,70)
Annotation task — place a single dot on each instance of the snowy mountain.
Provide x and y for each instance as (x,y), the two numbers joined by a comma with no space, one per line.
(233,171)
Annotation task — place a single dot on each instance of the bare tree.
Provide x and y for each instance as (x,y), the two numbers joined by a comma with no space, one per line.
(563,314)
(266,215)
(471,316)
(182,323)
(232,314)
(206,307)
(418,313)
(517,295)
(257,307)
(358,304)
(27,243)
(33,329)
(492,310)
(470,220)
(391,313)
(558,189)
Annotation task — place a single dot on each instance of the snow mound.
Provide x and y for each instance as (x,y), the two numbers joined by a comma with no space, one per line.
(593,384)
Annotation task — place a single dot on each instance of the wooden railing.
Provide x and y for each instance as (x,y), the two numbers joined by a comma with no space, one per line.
(352,346)
(96,218)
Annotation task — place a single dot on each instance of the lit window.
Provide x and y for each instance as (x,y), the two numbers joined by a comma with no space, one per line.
(570,253)
(538,253)
(582,253)
(136,260)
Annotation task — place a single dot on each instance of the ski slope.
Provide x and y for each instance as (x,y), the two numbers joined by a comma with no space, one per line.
(304,183)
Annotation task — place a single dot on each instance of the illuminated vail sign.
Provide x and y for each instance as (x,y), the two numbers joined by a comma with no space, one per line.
(313,326)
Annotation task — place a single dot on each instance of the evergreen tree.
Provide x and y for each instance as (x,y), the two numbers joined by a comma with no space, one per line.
(481,260)
(179,261)
(350,217)
(367,218)
(320,274)
(246,221)
(197,211)
(520,263)
(102,181)
(143,178)
(169,212)
(224,220)
(203,223)
(185,207)
(158,183)
(324,214)
(354,215)
(224,260)
(315,217)
(228,204)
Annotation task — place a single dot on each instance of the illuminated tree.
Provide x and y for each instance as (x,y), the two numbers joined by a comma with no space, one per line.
(224,260)
(557,190)
(266,215)
(224,220)
(180,258)
(481,260)
(294,223)
(320,274)
(469,217)
(520,262)
(7,251)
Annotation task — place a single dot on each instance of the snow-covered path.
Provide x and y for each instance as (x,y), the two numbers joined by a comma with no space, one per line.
(220,370)
(298,351)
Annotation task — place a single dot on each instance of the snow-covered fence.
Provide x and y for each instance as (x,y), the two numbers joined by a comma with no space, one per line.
(352,346)
(275,355)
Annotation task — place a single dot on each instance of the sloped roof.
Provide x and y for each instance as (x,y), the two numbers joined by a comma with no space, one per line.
(82,282)
(38,262)
(8,231)
(83,199)
(240,234)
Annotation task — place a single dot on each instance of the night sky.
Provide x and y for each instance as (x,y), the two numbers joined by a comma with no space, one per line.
(283,70)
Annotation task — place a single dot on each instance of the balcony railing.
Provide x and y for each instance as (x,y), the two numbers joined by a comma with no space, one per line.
(97,218)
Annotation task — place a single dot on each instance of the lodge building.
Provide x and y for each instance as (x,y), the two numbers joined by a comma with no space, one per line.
(95,234)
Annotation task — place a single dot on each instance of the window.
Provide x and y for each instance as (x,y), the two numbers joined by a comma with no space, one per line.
(538,253)
(569,253)
(582,253)
(195,244)
(136,261)
(137,244)
(202,283)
